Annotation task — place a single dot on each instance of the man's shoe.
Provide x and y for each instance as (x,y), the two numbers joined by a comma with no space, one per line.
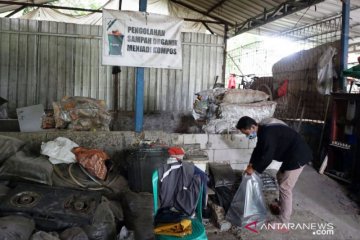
(274,208)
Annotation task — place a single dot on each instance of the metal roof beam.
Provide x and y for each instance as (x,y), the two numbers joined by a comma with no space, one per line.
(26,4)
(282,10)
(203,12)
(216,6)
(336,17)
(317,34)
(354,48)
(15,11)
(208,28)
(202,21)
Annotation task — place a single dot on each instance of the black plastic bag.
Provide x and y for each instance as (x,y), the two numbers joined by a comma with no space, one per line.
(223,174)
(23,165)
(40,235)
(74,233)
(9,146)
(224,196)
(138,213)
(16,228)
(103,226)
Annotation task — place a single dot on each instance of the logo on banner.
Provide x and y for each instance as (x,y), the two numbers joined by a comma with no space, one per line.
(115,38)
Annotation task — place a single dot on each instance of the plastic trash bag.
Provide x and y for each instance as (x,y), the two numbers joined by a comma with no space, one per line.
(59,150)
(325,71)
(138,212)
(74,233)
(81,113)
(3,112)
(103,226)
(25,166)
(258,111)
(244,96)
(9,146)
(40,235)
(92,160)
(125,234)
(16,227)
(222,174)
(200,108)
(248,204)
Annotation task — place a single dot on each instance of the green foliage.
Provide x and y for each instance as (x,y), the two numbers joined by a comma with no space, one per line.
(27,10)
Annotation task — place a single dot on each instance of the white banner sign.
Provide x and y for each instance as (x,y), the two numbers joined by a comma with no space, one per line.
(140,39)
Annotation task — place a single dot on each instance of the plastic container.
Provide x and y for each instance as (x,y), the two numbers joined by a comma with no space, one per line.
(141,164)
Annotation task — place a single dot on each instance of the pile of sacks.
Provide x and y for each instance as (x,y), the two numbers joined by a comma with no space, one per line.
(222,108)
(81,113)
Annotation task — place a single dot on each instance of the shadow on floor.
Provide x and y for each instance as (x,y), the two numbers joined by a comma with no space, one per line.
(320,204)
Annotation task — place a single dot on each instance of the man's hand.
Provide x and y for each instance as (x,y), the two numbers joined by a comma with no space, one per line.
(249,169)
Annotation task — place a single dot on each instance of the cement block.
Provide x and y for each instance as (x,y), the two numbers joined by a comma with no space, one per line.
(158,136)
(210,153)
(218,214)
(189,138)
(224,141)
(196,138)
(202,139)
(177,139)
(232,155)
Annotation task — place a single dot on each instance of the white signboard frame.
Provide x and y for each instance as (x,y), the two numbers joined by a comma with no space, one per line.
(140,39)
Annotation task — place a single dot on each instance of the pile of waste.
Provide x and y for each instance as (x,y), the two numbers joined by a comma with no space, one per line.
(67,192)
(221,108)
(81,113)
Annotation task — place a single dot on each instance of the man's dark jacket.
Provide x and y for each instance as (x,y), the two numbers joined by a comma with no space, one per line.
(281,143)
(180,188)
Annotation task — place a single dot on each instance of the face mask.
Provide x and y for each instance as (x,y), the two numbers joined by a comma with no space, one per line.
(252,135)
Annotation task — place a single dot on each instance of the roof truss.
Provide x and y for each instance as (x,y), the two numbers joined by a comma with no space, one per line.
(282,10)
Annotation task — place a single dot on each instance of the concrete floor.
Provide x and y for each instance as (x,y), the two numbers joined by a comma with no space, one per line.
(317,199)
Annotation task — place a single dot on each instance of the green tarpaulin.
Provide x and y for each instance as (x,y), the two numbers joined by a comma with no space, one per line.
(352,72)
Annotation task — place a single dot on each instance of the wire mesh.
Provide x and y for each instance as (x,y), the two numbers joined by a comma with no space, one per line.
(259,57)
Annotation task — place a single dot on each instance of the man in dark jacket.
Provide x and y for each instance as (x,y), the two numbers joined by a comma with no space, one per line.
(277,141)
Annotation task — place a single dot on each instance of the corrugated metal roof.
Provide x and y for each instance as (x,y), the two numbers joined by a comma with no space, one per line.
(325,10)
(9,7)
(236,12)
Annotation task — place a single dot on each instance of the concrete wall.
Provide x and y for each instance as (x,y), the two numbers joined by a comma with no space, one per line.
(170,122)
(235,149)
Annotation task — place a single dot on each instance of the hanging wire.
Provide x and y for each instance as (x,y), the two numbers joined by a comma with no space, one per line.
(301,17)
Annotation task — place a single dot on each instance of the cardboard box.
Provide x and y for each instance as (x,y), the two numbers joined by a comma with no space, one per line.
(30,118)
